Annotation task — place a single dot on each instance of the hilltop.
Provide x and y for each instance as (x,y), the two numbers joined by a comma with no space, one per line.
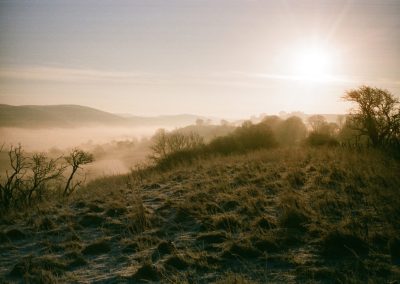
(293,215)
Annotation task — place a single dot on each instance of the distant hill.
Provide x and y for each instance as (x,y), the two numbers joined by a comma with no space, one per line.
(54,116)
(69,116)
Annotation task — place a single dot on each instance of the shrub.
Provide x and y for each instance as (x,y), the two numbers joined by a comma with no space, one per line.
(165,144)
(223,145)
(30,177)
(76,159)
(287,132)
(291,131)
(252,137)
(178,157)
(246,138)
(321,139)
(377,115)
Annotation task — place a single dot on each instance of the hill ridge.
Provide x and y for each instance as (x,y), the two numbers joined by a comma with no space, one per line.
(72,116)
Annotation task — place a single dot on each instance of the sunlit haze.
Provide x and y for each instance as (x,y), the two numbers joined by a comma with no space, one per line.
(312,63)
(228,59)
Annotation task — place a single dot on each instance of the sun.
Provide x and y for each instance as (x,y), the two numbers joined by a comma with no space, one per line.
(312,63)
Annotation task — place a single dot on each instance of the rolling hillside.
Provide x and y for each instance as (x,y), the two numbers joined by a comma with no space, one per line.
(274,216)
(28,116)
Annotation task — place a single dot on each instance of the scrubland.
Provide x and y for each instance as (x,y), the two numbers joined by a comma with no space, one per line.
(273,202)
(281,215)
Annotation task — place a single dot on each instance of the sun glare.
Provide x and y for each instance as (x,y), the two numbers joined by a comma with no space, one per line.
(312,64)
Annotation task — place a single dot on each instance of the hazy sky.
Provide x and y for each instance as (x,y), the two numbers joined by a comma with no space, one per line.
(226,58)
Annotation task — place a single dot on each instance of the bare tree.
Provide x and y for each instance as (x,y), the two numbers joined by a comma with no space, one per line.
(166,143)
(159,146)
(176,141)
(194,140)
(316,122)
(43,170)
(76,159)
(14,178)
(376,115)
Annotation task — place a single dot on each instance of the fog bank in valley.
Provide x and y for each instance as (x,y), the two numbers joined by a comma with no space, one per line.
(116,149)
(45,139)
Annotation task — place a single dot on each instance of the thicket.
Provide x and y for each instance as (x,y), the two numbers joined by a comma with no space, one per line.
(321,132)
(376,115)
(37,177)
(375,121)
(245,138)
(165,144)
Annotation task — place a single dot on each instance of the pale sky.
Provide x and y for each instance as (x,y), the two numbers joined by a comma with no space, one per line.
(225,58)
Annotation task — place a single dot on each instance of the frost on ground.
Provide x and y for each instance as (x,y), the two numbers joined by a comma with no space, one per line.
(276,216)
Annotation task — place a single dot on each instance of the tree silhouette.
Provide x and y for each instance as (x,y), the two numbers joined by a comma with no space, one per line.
(291,131)
(43,170)
(76,159)
(317,122)
(377,114)
(165,143)
(14,179)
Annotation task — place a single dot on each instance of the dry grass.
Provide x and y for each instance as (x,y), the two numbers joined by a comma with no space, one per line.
(277,216)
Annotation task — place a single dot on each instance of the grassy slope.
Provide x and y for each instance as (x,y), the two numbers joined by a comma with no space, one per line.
(288,215)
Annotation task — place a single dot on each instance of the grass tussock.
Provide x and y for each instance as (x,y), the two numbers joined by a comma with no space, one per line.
(307,215)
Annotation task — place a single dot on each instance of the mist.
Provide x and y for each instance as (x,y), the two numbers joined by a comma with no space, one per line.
(116,149)
(32,139)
